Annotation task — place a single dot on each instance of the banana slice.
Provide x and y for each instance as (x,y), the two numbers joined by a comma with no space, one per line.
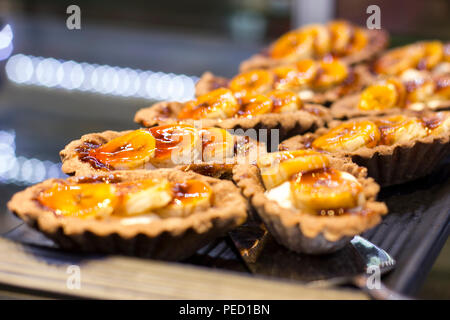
(442,87)
(252,82)
(400,129)
(285,101)
(433,54)
(80,200)
(217,104)
(141,197)
(349,136)
(295,77)
(287,78)
(358,42)
(217,145)
(175,145)
(327,190)
(322,39)
(341,34)
(278,167)
(385,95)
(293,45)
(130,151)
(188,197)
(398,60)
(255,105)
(331,72)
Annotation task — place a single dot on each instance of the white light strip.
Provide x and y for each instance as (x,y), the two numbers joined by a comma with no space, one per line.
(104,79)
(21,170)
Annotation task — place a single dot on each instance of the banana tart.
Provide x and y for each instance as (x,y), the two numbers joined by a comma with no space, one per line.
(311,202)
(430,56)
(163,214)
(313,81)
(210,151)
(337,38)
(415,90)
(278,109)
(394,148)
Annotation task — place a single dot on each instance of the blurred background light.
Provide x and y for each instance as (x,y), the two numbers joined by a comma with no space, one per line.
(103,79)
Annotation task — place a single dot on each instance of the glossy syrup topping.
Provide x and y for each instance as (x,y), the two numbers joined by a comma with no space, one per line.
(100,200)
(161,146)
(349,136)
(338,38)
(326,191)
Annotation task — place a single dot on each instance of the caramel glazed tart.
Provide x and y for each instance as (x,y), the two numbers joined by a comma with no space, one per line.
(389,164)
(377,42)
(288,123)
(358,77)
(72,164)
(171,238)
(303,232)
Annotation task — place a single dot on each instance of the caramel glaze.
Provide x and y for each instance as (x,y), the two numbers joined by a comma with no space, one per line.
(165,144)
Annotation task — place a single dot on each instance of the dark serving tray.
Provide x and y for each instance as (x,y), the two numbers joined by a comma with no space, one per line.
(413,233)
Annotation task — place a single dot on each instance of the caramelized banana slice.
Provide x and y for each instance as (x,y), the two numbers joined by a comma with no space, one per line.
(419,89)
(278,167)
(398,60)
(217,145)
(129,151)
(175,145)
(433,54)
(217,104)
(255,105)
(400,129)
(349,136)
(326,189)
(437,123)
(285,101)
(295,77)
(442,87)
(80,200)
(293,45)
(331,72)
(341,34)
(358,42)
(141,197)
(385,95)
(321,36)
(187,197)
(252,82)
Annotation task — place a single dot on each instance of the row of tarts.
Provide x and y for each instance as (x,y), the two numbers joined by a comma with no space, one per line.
(351,115)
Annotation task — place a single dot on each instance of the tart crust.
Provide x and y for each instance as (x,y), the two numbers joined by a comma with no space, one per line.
(209,82)
(346,108)
(387,164)
(377,42)
(168,238)
(288,123)
(303,232)
(73,165)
